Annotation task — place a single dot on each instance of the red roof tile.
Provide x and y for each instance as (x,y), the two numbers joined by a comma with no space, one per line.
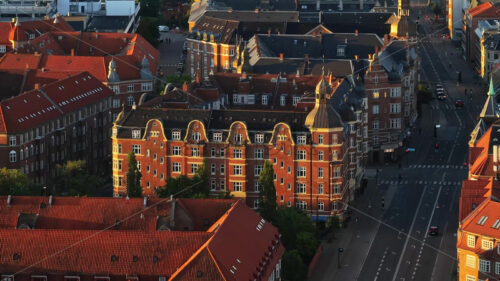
(490,210)
(90,252)
(19,61)
(36,107)
(480,8)
(242,241)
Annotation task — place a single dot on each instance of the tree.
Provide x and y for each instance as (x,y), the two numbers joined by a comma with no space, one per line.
(150,8)
(134,188)
(148,28)
(199,183)
(290,223)
(174,186)
(294,268)
(13,182)
(267,195)
(74,180)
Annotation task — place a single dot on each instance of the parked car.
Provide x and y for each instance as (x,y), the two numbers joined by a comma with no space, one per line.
(163,28)
(442,96)
(459,103)
(433,231)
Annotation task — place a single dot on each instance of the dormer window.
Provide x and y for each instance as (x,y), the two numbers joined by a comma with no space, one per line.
(282,100)
(264,99)
(296,100)
(341,50)
(196,136)
(259,138)
(176,135)
(238,138)
(136,134)
(217,137)
(31,36)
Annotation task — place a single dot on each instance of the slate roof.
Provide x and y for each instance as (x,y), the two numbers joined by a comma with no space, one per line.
(349,22)
(296,46)
(252,16)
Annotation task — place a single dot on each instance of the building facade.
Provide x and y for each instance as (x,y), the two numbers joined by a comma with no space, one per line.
(478,234)
(309,151)
(69,119)
(390,83)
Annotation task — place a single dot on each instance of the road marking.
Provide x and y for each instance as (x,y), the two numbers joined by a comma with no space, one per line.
(408,236)
(434,209)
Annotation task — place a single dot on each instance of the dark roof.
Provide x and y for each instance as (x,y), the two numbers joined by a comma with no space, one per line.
(108,24)
(297,46)
(255,120)
(394,59)
(222,30)
(348,22)
(252,16)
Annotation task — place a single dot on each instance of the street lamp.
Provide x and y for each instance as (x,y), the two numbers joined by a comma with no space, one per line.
(338,259)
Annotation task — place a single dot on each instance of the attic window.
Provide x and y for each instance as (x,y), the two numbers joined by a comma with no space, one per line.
(114,258)
(155,259)
(199,274)
(16,256)
(496,225)
(135,258)
(482,220)
(340,50)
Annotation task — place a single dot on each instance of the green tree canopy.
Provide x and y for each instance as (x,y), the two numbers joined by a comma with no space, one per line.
(148,28)
(13,182)
(267,195)
(134,188)
(198,185)
(294,268)
(74,180)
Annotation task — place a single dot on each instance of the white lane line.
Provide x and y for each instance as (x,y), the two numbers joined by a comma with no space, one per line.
(434,209)
(408,236)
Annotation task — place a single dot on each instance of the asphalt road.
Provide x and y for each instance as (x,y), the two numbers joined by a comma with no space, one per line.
(429,191)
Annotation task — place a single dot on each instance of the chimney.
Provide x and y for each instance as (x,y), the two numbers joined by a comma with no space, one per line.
(13,20)
(281,56)
(50,200)
(269,32)
(356,32)
(43,69)
(172,213)
(72,52)
(145,202)
(96,35)
(356,57)
(376,50)
(256,11)
(9,200)
(230,10)
(37,86)
(243,76)
(184,87)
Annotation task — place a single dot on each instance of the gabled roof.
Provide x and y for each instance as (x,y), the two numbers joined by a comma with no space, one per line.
(9,31)
(242,246)
(483,218)
(38,106)
(478,10)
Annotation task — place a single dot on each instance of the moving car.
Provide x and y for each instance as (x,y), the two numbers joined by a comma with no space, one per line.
(459,103)
(433,231)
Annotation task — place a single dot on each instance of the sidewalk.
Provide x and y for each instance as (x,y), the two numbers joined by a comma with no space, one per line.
(357,237)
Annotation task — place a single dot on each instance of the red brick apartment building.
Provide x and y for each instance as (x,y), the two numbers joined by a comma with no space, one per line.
(309,151)
(478,235)
(390,82)
(118,239)
(66,119)
(124,62)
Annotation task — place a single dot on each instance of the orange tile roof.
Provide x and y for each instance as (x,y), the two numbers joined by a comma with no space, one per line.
(38,106)
(239,246)
(158,253)
(20,61)
(479,8)
(488,209)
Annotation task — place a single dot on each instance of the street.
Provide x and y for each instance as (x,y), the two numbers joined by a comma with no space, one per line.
(390,240)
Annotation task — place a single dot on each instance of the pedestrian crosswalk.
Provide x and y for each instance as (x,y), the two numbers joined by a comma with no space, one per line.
(444,166)
(420,182)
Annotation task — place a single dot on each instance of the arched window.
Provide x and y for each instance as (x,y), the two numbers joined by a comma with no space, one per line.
(13,156)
